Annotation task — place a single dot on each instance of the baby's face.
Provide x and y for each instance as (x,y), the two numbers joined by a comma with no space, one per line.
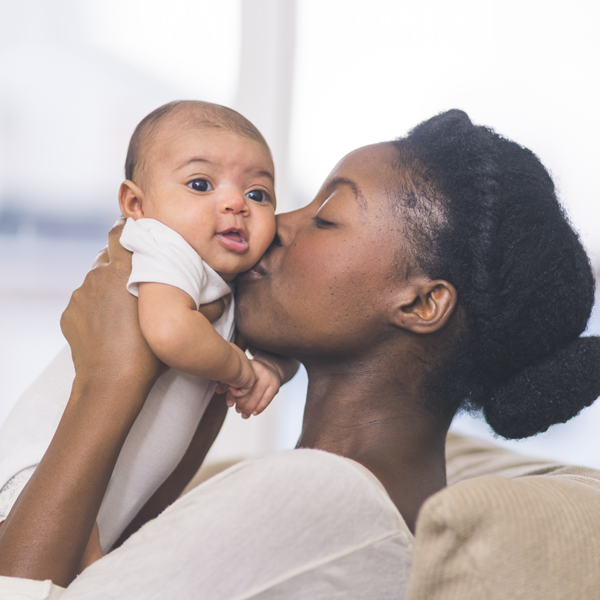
(216,189)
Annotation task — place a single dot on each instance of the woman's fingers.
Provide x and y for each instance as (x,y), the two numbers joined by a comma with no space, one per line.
(101,321)
(101,258)
(115,250)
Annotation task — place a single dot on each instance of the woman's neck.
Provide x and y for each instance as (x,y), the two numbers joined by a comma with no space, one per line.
(379,422)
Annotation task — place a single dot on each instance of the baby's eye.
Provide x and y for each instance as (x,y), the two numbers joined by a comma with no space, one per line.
(257,196)
(200,185)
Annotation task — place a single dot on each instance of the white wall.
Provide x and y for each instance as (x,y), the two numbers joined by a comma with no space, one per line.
(369,71)
(76,76)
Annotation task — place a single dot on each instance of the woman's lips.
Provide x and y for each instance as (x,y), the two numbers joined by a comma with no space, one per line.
(234,239)
(259,268)
(256,272)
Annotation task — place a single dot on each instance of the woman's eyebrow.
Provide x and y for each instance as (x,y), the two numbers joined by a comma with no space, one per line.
(337,181)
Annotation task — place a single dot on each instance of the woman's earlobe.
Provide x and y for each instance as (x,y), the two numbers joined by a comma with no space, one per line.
(131,200)
(427,307)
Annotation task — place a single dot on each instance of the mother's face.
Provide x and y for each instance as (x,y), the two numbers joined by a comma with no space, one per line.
(327,283)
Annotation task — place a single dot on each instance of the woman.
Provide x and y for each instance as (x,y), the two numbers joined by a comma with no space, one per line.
(429,273)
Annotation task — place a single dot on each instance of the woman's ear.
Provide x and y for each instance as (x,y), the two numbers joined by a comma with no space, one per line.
(131,200)
(424,306)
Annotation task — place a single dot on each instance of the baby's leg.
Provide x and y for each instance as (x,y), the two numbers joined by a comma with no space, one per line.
(11,491)
(155,445)
(30,426)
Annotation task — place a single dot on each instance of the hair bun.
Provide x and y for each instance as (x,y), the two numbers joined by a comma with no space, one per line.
(551,390)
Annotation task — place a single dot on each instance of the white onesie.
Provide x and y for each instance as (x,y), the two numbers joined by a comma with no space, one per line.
(165,426)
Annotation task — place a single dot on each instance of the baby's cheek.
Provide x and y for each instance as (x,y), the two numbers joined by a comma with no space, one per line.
(260,246)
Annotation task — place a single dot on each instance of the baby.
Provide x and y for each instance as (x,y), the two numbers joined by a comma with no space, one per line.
(200,206)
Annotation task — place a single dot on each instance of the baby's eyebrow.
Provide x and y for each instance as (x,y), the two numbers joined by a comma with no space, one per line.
(267,174)
(209,162)
(195,159)
(358,196)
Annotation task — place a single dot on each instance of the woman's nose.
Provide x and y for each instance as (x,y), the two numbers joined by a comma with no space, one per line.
(232,202)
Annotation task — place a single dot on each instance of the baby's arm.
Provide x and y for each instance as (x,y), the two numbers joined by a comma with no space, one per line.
(184,339)
(272,371)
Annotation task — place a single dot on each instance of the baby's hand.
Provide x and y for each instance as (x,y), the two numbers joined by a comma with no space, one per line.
(253,402)
(244,381)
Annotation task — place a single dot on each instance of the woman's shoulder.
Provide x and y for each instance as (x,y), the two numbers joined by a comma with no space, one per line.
(319,481)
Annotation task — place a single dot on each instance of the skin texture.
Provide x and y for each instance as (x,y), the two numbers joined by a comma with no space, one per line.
(342,297)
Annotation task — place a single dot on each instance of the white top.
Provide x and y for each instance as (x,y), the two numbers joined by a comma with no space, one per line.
(161,255)
(294,525)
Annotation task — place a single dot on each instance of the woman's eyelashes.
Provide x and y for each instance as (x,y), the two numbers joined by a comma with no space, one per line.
(319,222)
(200,185)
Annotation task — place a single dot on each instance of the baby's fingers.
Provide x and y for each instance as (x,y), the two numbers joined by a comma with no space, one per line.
(246,404)
(262,394)
(233,393)
(265,400)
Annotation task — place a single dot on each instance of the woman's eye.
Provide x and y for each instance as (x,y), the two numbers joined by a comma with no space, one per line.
(321,223)
(200,185)
(257,196)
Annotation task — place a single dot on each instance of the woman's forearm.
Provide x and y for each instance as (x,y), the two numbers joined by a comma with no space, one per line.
(49,526)
(47,531)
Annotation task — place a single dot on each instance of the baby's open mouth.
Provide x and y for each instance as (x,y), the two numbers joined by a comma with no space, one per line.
(234,239)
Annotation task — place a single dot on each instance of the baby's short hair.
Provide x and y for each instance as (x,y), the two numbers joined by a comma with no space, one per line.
(201,113)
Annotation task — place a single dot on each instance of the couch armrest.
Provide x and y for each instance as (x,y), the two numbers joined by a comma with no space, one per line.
(494,538)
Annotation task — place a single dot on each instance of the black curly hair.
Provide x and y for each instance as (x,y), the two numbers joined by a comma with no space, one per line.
(483,214)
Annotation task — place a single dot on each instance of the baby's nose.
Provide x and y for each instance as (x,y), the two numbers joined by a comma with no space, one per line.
(233,202)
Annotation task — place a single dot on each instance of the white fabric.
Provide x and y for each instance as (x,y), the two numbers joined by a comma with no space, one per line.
(11,490)
(161,255)
(295,525)
(158,438)
(16,588)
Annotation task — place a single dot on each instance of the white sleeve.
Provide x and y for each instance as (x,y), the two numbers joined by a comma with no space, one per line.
(161,255)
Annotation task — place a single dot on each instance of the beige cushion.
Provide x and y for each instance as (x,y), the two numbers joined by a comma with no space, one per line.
(533,532)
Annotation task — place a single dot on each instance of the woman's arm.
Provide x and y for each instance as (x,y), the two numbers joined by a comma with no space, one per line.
(47,531)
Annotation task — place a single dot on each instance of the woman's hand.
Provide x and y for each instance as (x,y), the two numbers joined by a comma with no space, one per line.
(101,323)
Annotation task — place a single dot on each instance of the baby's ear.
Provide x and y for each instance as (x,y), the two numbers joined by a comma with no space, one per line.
(131,200)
